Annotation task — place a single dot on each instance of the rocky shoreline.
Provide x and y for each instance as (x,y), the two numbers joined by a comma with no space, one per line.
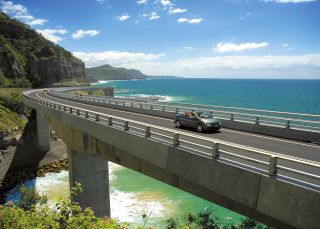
(16,178)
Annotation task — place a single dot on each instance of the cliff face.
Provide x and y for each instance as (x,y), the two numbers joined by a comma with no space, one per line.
(52,70)
(28,59)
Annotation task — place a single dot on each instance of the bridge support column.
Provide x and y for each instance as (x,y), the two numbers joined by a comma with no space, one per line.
(43,133)
(93,175)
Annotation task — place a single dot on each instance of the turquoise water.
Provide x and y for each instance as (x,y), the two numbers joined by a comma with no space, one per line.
(302,96)
(133,194)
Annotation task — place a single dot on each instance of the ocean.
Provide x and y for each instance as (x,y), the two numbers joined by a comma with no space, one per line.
(301,96)
(133,194)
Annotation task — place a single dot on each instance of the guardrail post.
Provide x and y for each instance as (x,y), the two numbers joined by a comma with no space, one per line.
(59,107)
(87,114)
(109,121)
(97,118)
(124,103)
(211,112)
(273,165)
(126,126)
(140,105)
(116,102)
(78,112)
(147,133)
(257,120)
(71,110)
(110,101)
(175,139)
(163,108)
(54,106)
(151,107)
(215,150)
(288,124)
(64,108)
(231,117)
(177,109)
(131,104)
(192,110)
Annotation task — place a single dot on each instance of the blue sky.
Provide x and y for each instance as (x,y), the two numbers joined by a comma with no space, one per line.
(192,38)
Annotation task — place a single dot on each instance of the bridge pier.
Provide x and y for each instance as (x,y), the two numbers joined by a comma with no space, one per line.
(43,134)
(93,175)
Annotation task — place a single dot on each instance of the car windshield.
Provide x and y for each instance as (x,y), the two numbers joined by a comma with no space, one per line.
(204,115)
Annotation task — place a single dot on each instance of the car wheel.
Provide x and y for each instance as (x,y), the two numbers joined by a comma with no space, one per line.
(199,128)
(178,124)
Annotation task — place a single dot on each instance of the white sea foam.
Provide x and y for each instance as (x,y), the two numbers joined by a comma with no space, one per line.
(129,207)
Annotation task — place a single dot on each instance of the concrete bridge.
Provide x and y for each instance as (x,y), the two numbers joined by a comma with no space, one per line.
(273,180)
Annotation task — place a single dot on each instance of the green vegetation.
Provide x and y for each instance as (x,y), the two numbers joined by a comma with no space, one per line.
(33,212)
(107,72)
(28,59)
(206,219)
(98,92)
(12,109)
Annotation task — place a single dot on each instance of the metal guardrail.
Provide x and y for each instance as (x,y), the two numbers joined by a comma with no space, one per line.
(267,162)
(306,122)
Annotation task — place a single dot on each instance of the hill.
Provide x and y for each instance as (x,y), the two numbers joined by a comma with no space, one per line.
(107,72)
(28,59)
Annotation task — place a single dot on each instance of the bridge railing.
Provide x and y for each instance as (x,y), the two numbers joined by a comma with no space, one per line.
(306,122)
(269,163)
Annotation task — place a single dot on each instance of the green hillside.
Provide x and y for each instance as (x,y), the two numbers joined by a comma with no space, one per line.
(107,72)
(28,59)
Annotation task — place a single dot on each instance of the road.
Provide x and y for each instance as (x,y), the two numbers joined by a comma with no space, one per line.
(303,150)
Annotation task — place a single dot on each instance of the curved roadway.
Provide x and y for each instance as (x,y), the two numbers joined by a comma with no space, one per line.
(303,150)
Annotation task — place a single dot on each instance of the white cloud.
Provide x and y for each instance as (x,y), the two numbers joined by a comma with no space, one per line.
(142,2)
(285,66)
(19,11)
(177,11)
(188,47)
(152,16)
(83,33)
(52,34)
(289,1)
(190,21)
(166,2)
(285,45)
(123,17)
(115,57)
(232,47)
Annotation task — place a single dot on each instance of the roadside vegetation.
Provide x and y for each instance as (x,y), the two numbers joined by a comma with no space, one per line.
(98,92)
(13,112)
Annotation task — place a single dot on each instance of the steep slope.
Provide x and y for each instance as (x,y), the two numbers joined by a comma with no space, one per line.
(28,59)
(107,72)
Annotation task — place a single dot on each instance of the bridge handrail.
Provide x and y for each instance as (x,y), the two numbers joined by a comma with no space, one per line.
(257,119)
(215,151)
(203,105)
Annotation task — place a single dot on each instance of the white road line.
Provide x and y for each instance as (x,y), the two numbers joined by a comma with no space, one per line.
(224,129)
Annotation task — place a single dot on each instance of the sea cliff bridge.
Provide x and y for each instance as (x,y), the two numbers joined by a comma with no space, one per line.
(263,164)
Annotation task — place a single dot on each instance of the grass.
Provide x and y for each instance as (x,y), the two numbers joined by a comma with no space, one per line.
(10,119)
(11,109)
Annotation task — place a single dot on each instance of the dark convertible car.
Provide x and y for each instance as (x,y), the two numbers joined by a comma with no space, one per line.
(199,120)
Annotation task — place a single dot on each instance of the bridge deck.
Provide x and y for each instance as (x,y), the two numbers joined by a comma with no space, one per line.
(303,150)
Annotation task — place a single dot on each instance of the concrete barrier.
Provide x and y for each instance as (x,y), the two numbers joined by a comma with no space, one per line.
(286,133)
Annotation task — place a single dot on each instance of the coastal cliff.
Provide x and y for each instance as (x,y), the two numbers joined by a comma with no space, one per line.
(28,59)
(107,72)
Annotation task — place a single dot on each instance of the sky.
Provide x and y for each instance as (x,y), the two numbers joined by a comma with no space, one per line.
(190,38)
